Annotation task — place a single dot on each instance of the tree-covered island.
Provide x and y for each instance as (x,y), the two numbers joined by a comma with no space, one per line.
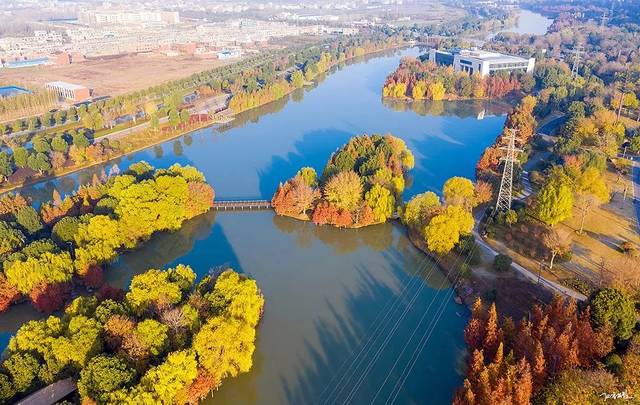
(361,184)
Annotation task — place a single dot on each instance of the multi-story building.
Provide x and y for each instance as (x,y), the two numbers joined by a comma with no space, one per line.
(115,17)
(479,61)
(70,92)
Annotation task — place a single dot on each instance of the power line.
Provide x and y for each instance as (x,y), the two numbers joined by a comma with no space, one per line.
(506,184)
(357,362)
(430,326)
(372,336)
(577,56)
(384,344)
(425,337)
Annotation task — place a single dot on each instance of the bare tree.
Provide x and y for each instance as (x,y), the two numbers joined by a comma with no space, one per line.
(558,242)
(586,203)
(174,318)
(303,195)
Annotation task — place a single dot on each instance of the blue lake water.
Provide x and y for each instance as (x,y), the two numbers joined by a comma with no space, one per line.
(351,315)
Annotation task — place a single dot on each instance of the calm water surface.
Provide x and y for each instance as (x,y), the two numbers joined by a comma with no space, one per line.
(531,23)
(347,311)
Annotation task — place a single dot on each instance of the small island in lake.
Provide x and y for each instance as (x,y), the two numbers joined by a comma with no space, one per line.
(361,184)
(167,340)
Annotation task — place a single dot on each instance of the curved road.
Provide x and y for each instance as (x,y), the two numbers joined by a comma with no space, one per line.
(635,189)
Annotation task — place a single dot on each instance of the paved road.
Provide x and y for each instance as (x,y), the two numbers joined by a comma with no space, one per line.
(532,277)
(635,189)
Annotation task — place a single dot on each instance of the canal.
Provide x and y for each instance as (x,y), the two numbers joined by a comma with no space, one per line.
(351,315)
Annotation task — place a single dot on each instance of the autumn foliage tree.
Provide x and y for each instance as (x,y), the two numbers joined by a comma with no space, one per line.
(171,340)
(418,80)
(510,364)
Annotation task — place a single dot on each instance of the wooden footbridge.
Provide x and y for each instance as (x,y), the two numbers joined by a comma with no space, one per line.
(241,205)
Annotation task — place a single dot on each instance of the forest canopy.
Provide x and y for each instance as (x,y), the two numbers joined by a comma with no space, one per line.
(70,240)
(168,340)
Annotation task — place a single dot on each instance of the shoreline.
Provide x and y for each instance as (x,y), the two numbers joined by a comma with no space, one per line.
(118,156)
(4,190)
(484,282)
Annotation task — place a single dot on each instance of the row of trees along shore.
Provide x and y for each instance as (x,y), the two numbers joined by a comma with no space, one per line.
(420,79)
(361,184)
(246,76)
(68,240)
(71,138)
(560,354)
(26,104)
(168,340)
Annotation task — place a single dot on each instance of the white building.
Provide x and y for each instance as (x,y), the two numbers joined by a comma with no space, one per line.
(113,17)
(482,62)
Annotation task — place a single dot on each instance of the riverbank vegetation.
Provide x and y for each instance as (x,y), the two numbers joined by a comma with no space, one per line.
(361,184)
(420,79)
(168,340)
(559,354)
(256,94)
(68,140)
(444,224)
(68,241)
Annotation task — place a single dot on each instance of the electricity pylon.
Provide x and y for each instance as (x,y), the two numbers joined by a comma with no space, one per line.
(576,60)
(506,184)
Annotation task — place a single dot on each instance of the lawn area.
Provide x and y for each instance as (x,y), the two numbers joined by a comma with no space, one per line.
(597,258)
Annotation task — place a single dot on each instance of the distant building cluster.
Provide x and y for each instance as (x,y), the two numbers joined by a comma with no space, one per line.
(110,17)
(108,31)
(481,62)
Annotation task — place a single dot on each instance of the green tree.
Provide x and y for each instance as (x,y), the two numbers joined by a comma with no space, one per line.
(225,347)
(436,91)
(612,307)
(29,220)
(442,234)
(6,164)
(65,230)
(11,239)
(20,156)
(297,79)
(184,116)
(41,145)
(161,384)
(39,162)
(554,203)
(237,296)
(309,176)
(153,335)
(104,375)
(59,144)
(155,122)
(174,118)
(80,140)
(459,191)
(23,369)
(147,288)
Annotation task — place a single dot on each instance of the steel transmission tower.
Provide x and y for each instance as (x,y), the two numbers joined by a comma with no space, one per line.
(506,184)
(576,61)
